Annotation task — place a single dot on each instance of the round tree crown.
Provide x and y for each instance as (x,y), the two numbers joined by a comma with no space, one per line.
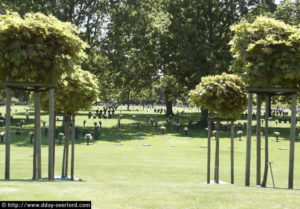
(38,48)
(266,53)
(75,91)
(223,95)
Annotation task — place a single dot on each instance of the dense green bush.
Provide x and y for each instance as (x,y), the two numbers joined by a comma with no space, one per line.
(267,53)
(223,95)
(75,91)
(37,47)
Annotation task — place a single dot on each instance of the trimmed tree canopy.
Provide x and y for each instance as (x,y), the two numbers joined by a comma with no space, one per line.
(222,94)
(266,53)
(38,48)
(75,91)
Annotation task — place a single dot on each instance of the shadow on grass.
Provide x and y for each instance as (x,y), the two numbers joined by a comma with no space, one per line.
(43,180)
(129,131)
(268,187)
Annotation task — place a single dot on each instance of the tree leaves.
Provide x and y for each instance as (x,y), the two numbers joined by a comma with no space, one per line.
(266,53)
(45,45)
(222,94)
(75,91)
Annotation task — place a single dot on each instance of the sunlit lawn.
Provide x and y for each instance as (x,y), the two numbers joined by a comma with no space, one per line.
(117,171)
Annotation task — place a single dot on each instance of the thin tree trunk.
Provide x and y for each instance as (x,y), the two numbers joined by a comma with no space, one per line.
(51,136)
(66,146)
(232,152)
(73,147)
(7,134)
(38,135)
(63,175)
(248,143)
(292,141)
(54,142)
(37,138)
(208,150)
(258,140)
(34,176)
(217,153)
(270,107)
(264,182)
(203,118)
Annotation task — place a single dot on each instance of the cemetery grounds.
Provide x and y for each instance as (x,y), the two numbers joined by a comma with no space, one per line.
(142,168)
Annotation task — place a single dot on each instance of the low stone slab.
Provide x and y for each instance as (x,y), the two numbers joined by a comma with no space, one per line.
(59,178)
(220,182)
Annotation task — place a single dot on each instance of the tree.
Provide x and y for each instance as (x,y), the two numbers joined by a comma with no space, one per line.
(75,91)
(131,46)
(289,12)
(196,44)
(173,90)
(38,48)
(223,95)
(266,53)
(147,96)
(88,15)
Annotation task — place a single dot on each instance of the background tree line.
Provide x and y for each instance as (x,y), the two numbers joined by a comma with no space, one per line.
(142,49)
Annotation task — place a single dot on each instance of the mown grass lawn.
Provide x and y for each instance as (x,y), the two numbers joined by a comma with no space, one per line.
(117,171)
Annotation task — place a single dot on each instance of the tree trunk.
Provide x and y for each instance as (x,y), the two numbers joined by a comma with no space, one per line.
(51,136)
(128,101)
(203,118)
(265,177)
(292,141)
(37,140)
(7,134)
(66,147)
(169,107)
(54,142)
(67,143)
(73,147)
(128,106)
(38,135)
(270,107)
(258,140)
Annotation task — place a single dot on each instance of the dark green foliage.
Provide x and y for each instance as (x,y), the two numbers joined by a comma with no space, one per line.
(173,89)
(289,12)
(130,50)
(222,94)
(266,53)
(38,48)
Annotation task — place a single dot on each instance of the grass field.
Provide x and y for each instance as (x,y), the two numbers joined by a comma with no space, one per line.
(117,171)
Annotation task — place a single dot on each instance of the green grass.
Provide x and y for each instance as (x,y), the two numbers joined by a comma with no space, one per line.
(159,176)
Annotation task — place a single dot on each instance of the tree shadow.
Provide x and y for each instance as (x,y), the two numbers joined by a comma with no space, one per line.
(268,187)
(130,131)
